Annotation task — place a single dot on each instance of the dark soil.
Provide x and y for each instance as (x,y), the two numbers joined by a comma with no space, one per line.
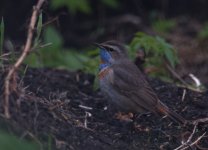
(47,105)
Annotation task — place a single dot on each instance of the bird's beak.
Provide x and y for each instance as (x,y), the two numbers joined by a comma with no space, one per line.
(98,45)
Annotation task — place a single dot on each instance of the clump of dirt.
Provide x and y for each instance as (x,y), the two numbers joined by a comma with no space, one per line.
(63,105)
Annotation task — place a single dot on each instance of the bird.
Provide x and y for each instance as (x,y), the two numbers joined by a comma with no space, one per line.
(122,81)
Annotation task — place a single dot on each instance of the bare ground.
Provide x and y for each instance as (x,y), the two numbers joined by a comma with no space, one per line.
(49,103)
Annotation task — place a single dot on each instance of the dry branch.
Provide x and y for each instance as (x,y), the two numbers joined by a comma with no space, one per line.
(175,74)
(195,142)
(19,61)
(189,143)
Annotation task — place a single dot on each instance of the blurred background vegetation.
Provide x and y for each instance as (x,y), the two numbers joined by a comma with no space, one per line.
(168,32)
(66,29)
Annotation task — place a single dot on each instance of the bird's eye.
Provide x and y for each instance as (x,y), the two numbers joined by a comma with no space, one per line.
(110,49)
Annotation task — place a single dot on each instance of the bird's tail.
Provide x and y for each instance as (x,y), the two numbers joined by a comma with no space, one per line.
(162,108)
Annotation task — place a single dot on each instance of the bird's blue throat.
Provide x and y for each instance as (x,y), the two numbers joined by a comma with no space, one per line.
(105,58)
(103,66)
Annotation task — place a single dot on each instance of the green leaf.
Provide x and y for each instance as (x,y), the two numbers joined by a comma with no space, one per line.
(39,29)
(52,36)
(96,83)
(58,57)
(49,142)
(73,60)
(10,142)
(94,52)
(163,25)
(91,66)
(203,34)
(157,51)
(170,57)
(111,3)
(10,47)
(33,60)
(72,5)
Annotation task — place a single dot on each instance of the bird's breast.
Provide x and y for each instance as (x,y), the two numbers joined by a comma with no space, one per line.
(106,75)
(106,82)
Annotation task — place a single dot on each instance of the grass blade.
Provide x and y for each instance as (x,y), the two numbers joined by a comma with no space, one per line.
(39,29)
(1,37)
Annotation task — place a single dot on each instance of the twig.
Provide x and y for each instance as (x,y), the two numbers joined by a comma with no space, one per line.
(87,114)
(201,120)
(184,94)
(85,107)
(35,138)
(200,147)
(188,143)
(51,21)
(195,142)
(192,134)
(185,84)
(189,139)
(172,71)
(6,54)
(196,80)
(58,105)
(25,52)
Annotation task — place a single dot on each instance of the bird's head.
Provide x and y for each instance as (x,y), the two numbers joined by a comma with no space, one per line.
(111,51)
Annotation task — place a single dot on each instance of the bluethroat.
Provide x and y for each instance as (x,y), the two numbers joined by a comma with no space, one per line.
(122,81)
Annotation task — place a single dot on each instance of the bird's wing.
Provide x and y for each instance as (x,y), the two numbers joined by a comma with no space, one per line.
(129,81)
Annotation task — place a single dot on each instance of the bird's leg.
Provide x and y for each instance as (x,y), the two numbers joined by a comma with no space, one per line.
(139,127)
(126,120)
(141,115)
(127,117)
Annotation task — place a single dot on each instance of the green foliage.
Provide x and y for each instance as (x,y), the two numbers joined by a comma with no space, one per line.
(11,48)
(52,36)
(49,142)
(163,26)
(1,37)
(38,30)
(10,142)
(73,5)
(157,50)
(56,56)
(83,6)
(111,3)
(203,34)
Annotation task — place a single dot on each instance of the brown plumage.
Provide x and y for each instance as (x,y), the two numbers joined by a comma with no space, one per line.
(126,86)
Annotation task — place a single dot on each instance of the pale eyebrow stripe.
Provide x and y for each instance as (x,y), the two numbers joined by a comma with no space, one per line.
(113,47)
